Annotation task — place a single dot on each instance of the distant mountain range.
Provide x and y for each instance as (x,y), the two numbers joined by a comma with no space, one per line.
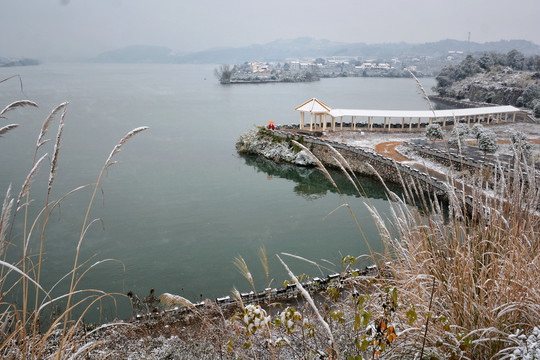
(280,50)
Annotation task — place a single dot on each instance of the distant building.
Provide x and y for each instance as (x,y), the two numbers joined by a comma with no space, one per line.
(260,68)
(374,66)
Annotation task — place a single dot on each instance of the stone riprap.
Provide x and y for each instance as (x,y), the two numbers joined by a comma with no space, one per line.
(270,296)
(266,146)
(368,162)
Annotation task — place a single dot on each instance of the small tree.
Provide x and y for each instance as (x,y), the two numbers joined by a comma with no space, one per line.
(459,132)
(434,132)
(476,130)
(487,142)
(520,146)
(224,74)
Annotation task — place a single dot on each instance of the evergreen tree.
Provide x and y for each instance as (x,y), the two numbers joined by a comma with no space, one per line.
(434,132)
(487,142)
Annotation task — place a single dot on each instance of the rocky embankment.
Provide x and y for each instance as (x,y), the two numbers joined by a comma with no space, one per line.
(262,142)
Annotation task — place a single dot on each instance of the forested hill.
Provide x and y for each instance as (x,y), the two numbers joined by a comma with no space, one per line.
(504,79)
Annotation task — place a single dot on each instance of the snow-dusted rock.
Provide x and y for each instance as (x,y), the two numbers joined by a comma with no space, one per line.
(265,145)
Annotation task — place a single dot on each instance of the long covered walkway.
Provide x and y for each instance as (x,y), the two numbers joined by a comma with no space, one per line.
(404,119)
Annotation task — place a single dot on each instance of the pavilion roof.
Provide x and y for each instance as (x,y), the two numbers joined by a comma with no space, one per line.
(314,106)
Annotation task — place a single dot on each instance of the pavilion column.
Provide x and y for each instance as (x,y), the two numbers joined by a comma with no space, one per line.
(505,117)
(410,123)
(402,123)
(371,124)
(444,122)
(514,117)
(333,123)
(354,122)
(341,124)
(311,122)
(302,120)
(384,125)
(468,120)
(419,120)
(324,125)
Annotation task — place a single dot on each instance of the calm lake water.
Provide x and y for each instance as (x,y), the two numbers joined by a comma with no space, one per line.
(181,204)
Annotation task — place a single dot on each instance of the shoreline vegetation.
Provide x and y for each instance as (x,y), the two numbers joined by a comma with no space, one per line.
(9,62)
(454,281)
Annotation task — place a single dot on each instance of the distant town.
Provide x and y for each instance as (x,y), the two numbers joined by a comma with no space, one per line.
(312,69)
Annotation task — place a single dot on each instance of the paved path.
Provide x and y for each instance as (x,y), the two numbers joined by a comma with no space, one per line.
(388,149)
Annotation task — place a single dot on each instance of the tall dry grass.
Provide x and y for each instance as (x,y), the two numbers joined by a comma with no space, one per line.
(26,331)
(464,277)
(475,272)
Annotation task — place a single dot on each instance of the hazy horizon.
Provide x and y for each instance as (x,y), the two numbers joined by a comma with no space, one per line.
(77,28)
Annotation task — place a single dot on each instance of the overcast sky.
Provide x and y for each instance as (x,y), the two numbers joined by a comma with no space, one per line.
(82,28)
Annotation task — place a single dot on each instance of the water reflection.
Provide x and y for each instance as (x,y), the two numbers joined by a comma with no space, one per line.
(312,184)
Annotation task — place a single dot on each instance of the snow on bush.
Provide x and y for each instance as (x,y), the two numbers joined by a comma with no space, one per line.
(487,142)
(527,348)
(434,132)
(477,129)
(458,135)
(520,146)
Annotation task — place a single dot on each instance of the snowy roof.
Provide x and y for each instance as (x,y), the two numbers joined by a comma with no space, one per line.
(314,106)
(420,113)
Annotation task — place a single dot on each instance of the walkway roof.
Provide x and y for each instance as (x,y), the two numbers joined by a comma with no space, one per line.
(420,113)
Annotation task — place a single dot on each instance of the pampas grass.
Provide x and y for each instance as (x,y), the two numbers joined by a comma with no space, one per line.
(7,128)
(15,105)
(167,299)
(309,300)
(4,218)
(23,334)
(471,276)
(241,265)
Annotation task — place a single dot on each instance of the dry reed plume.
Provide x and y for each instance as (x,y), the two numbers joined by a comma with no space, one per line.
(25,331)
